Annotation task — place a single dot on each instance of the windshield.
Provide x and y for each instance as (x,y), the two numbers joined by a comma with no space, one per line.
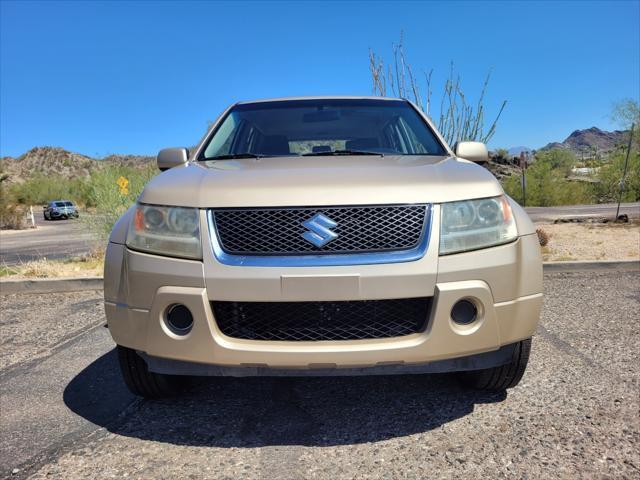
(322,127)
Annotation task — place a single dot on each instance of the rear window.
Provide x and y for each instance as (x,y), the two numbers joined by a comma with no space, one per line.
(64,204)
(301,127)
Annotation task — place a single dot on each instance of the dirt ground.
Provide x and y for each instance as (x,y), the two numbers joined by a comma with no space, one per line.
(591,241)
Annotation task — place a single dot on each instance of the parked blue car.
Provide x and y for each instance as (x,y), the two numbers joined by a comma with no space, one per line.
(60,209)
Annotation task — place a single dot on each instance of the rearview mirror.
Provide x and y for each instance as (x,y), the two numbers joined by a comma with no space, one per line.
(172,157)
(472,151)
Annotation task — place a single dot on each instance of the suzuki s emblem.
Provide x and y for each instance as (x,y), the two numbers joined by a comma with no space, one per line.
(319,230)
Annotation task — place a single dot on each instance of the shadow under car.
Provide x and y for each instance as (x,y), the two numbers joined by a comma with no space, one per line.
(265,411)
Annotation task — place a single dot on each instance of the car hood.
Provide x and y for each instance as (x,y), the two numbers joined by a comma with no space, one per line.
(311,181)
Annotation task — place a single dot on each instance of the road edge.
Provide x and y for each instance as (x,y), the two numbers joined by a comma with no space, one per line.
(50,285)
(79,284)
(619,265)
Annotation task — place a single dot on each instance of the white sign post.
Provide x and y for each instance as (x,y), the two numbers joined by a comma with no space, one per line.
(31,217)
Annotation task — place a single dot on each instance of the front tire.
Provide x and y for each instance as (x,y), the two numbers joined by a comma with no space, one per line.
(500,378)
(141,381)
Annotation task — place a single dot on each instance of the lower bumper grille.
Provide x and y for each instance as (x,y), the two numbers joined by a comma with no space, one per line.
(314,321)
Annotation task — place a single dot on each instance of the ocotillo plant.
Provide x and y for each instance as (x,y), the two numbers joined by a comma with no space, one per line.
(458,119)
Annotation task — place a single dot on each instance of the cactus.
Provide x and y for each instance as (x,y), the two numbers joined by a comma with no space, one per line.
(543,237)
(458,119)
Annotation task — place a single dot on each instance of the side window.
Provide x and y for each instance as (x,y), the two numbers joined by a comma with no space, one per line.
(417,146)
(223,138)
(252,137)
(390,140)
(245,138)
(395,138)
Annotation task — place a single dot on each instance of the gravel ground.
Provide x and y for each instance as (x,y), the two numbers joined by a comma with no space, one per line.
(591,241)
(32,325)
(575,414)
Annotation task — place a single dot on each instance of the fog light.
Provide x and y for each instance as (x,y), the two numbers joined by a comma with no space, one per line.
(464,312)
(179,319)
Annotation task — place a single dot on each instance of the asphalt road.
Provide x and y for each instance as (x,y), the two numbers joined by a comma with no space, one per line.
(66,238)
(608,210)
(55,239)
(66,413)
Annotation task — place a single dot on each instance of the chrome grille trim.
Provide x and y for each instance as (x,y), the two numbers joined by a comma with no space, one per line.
(315,258)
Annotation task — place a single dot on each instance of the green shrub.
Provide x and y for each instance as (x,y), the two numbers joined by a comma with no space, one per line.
(608,188)
(557,159)
(548,186)
(40,189)
(12,216)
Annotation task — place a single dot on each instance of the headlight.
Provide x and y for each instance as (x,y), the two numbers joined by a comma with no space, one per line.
(475,224)
(171,231)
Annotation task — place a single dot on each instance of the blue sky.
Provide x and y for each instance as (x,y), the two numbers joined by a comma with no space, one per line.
(126,77)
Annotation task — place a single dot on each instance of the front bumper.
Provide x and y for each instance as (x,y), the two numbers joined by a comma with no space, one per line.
(506,281)
(58,214)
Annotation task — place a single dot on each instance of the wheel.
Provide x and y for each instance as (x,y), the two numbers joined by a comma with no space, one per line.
(141,381)
(46,217)
(500,378)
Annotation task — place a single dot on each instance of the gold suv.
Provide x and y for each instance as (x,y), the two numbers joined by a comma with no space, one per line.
(322,236)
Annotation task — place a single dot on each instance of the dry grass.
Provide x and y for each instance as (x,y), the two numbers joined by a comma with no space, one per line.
(90,265)
(591,241)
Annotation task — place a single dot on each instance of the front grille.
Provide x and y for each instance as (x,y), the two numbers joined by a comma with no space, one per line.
(313,321)
(279,231)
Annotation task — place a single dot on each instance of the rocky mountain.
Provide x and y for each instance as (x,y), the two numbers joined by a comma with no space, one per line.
(591,142)
(129,160)
(58,161)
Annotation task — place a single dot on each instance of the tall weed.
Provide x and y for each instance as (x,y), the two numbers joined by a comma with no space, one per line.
(108,197)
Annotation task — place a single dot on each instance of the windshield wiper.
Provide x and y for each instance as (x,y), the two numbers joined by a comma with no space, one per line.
(234,155)
(342,152)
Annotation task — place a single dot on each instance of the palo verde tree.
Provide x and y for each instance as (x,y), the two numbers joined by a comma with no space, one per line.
(458,119)
(625,112)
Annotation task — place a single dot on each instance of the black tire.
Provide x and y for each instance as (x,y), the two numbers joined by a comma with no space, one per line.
(46,218)
(498,379)
(144,383)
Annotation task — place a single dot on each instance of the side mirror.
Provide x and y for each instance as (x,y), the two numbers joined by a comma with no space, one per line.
(172,157)
(473,151)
